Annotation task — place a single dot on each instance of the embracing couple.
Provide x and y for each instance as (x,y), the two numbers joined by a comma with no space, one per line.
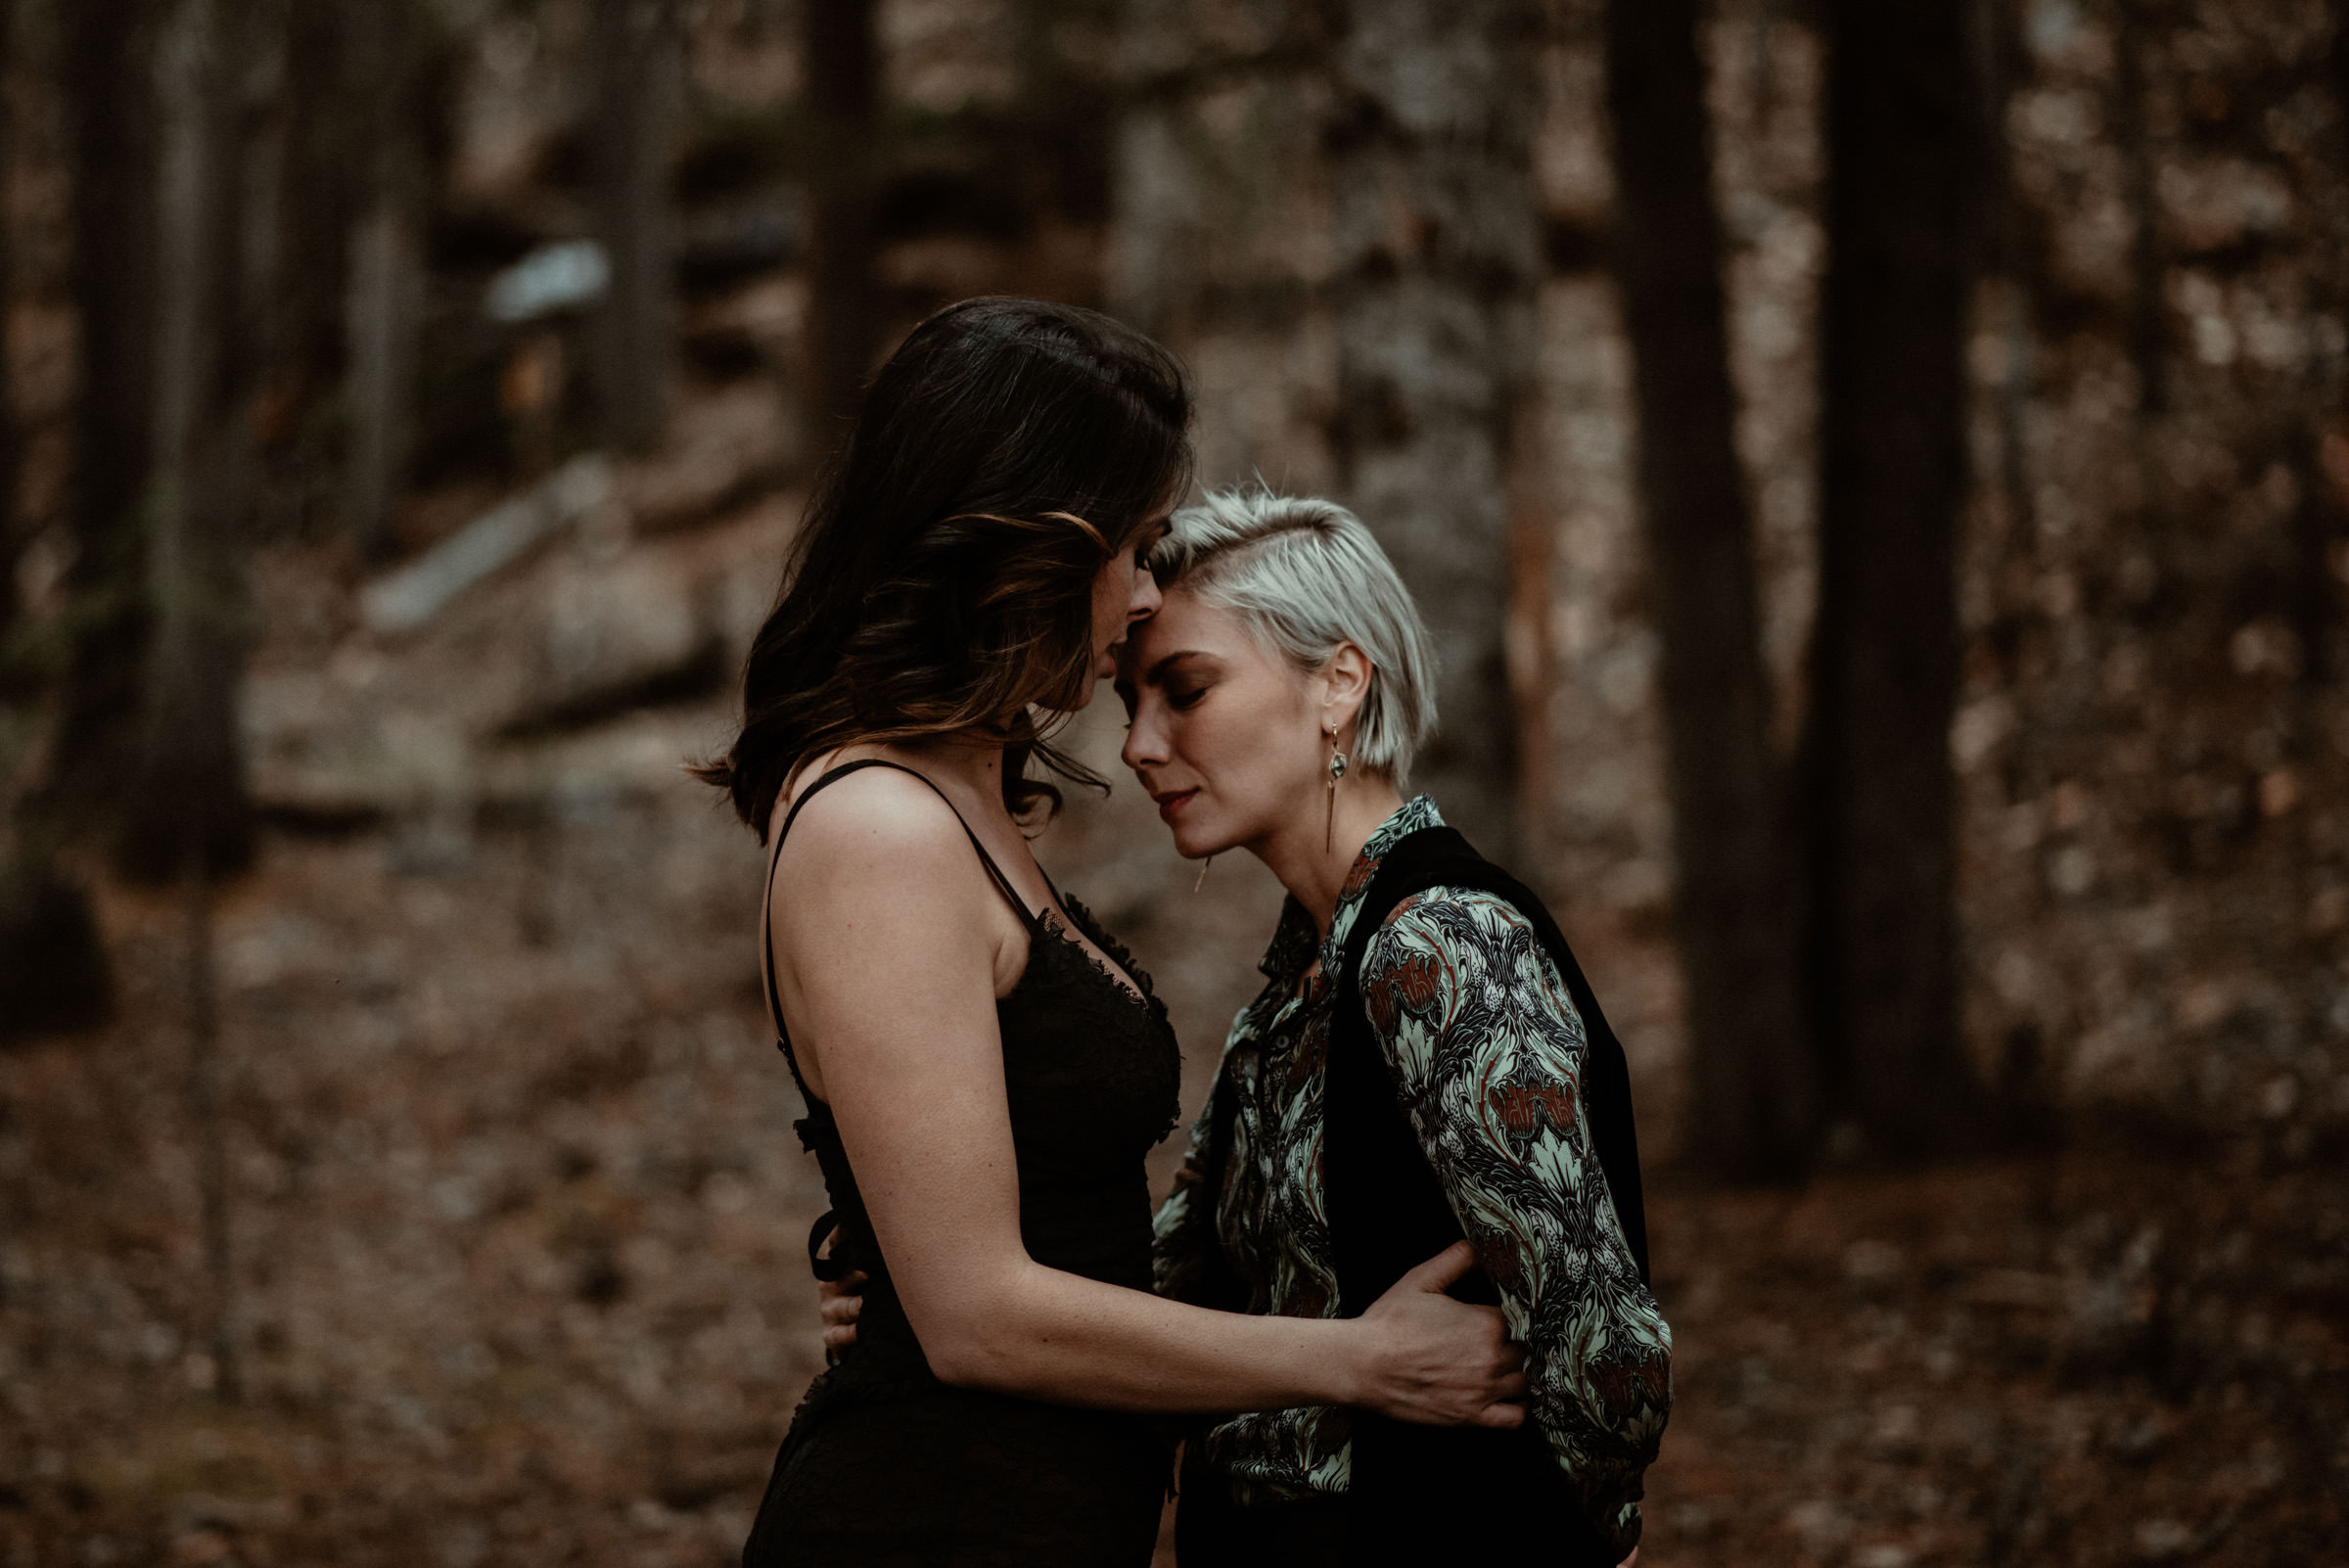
(1398,1300)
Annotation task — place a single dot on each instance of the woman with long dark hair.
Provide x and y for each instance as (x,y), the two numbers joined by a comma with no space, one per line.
(984,1067)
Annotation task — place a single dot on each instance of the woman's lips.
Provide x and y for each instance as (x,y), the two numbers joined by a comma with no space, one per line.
(1170,804)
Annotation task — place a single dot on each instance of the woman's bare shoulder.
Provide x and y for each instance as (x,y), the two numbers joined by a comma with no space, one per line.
(877,827)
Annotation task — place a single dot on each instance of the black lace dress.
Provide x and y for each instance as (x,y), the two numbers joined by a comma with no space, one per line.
(884,1464)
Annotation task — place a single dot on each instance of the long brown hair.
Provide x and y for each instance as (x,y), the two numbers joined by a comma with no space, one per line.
(941,582)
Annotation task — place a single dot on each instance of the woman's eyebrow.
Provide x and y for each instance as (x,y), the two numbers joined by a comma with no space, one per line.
(1157,671)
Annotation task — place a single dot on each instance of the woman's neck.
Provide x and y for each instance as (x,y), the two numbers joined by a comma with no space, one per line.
(973,762)
(1313,873)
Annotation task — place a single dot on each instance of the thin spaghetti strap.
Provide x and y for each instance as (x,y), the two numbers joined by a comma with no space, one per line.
(775,858)
(1011,894)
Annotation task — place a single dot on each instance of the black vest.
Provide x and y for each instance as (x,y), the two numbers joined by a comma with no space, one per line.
(1375,1182)
(1422,1485)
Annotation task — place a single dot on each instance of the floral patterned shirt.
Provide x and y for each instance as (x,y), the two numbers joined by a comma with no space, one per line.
(1487,1049)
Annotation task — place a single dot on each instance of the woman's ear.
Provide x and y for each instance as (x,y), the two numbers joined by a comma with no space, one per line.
(1346,682)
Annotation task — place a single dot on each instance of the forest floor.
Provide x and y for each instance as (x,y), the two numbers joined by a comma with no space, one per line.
(518,1221)
(517,1227)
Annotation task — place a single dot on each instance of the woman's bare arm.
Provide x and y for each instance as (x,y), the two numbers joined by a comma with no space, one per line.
(886,935)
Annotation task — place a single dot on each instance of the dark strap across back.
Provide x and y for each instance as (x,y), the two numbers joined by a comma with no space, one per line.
(1093,1080)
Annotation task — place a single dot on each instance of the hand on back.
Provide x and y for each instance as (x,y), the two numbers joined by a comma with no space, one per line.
(839,1302)
(1440,1362)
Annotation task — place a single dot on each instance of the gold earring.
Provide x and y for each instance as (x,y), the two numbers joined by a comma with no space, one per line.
(1203,865)
(1337,772)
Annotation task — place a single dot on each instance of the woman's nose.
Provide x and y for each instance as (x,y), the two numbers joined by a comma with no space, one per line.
(1141,749)
(1146,599)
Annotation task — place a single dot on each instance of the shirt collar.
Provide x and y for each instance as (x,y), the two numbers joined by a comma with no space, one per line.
(1293,947)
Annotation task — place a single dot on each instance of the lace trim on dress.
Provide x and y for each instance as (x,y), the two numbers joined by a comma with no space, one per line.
(1146,1000)
(1134,982)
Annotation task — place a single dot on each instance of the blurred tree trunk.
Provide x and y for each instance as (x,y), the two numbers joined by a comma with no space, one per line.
(53,969)
(1752,1092)
(2322,518)
(53,975)
(326,137)
(639,66)
(12,534)
(383,274)
(2009,255)
(108,44)
(2148,310)
(189,815)
(1532,652)
(1436,259)
(1901,142)
(843,99)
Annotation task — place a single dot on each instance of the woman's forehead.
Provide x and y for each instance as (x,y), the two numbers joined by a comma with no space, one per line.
(1183,624)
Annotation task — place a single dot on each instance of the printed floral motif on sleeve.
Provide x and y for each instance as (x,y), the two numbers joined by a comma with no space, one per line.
(1488,1051)
(1269,1220)
(1486,1040)
(1183,1232)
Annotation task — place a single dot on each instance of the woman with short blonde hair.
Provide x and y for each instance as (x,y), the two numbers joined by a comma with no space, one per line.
(1425,1063)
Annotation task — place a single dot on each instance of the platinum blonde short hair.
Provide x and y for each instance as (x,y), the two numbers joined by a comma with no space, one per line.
(1307,577)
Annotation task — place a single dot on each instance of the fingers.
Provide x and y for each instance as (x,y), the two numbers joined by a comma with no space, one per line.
(1439,1273)
(840,1339)
(839,1304)
(1499,1418)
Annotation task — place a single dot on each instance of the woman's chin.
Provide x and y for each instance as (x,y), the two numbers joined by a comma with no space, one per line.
(1197,842)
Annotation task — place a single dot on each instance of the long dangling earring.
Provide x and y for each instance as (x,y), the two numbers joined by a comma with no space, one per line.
(1337,772)
(1203,865)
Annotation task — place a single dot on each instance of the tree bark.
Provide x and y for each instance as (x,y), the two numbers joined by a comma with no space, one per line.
(2322,517)
(1751,1082)
(12,536)
(188,814)
(1901,139)
(2148,310)
(190,817)
(843,99)
(1436,259)
(108,43)
(639,69)
(1532,652)
(2011,255)
(383,299)
(53,976)
(383,273)
(327,133)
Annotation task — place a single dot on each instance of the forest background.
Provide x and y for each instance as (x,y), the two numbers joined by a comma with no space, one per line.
(1881,473)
